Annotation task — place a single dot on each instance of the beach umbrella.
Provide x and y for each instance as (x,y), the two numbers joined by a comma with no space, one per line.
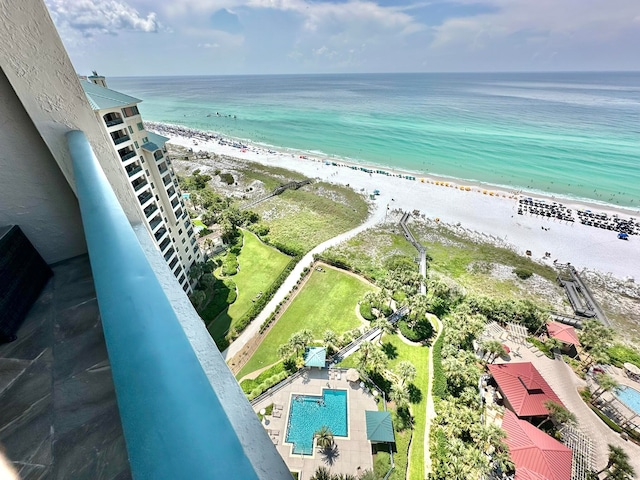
(352,375)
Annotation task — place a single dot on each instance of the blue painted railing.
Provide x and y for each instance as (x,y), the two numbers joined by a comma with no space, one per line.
(174,424)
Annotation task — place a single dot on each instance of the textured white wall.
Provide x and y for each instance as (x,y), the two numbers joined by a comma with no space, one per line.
(33,192)
(38,68)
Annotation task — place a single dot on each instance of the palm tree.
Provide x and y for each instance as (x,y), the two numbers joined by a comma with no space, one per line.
(399,394)
(558,414)
(384,325)
(618,466)
(368,475)
(493,349)
(322,473)
(406,371)
(324,437)
(606,383)
(553,344)
(330,340)
(364,352)
(300,340)
(377,359)
(285,350)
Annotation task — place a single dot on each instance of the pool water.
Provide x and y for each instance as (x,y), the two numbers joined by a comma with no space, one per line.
(309,413)
(630,397)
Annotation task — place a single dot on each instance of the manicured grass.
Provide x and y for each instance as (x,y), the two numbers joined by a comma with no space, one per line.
(259,267)
(419,356)
(621,353)
(302,219)
(198,223)
(327,301)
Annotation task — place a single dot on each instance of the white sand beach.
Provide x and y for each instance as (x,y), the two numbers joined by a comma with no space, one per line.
(496,216)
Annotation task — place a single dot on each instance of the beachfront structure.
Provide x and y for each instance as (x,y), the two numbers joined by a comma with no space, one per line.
(113,374)
(565,334)
(524,390)
(143,158)
(535,454)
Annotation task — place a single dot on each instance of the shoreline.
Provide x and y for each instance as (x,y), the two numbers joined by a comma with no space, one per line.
(302,155)
(495,217)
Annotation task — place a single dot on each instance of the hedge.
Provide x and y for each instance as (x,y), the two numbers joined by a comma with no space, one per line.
(365,311)
(251,384)
(422,331)
(439,378)
(268,383)
(230,264)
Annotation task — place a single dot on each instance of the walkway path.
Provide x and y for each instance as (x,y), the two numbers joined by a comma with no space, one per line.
(418,246)
(376,217)
(431,411)
(565,383)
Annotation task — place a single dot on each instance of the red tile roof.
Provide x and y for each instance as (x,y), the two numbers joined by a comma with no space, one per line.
(535,454)
(524,388)
(564,333)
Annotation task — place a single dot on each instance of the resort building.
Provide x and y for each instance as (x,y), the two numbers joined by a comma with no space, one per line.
(523,389)
(113,374)
(565,334)
(143,158)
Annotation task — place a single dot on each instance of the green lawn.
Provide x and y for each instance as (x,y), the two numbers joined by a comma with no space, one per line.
(259,267)
(198,223)
(302,219)
(327,301)
(419,356)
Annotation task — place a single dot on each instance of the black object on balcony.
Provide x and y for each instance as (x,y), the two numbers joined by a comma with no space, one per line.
(23,275)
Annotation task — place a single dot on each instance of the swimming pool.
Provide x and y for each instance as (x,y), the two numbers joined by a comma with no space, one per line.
(630,397)
(308,413)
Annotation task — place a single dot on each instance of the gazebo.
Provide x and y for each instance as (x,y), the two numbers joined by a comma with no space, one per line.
(379,427)
(315,357)
(566,334)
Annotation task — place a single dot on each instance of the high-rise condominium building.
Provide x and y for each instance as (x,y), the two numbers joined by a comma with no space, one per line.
(153,181)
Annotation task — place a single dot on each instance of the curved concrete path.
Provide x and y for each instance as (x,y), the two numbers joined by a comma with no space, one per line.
(376,217)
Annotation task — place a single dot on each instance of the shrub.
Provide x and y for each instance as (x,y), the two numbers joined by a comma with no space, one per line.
(522,273)
(227,178)
(620,354)
(365,311)
(439,378)
(423,330)
(205,231)
(230,264)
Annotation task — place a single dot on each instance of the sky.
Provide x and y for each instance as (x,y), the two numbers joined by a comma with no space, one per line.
(223,37)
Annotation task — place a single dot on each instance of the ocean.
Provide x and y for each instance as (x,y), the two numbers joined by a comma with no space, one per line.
(575,135)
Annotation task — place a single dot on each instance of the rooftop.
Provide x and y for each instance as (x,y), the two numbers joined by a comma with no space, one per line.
(535,454)
(315,357)
(101,98)
(524,388)
(379,427)
(565,333)
(157,138)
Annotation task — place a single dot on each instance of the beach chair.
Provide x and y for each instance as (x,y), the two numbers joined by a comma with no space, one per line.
(277,406)
(276,413)
(275,440)
(338,376)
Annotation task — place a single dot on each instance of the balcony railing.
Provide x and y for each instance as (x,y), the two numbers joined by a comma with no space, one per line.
(140,185)
(120,140)
(169,253)
(160,233)
(155,222)
(145,197)
(127,156)
(133,171)
(174,423)
(150,209)
(115,121)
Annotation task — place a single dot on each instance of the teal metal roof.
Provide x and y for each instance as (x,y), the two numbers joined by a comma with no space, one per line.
(150,147)
(315,357)
(102,98)
(157,139)
(379,427)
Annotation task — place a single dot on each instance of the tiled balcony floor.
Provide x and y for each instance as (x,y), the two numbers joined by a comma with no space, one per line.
(58,412)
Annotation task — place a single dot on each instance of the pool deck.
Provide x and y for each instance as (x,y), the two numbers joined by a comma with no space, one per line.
(353,454)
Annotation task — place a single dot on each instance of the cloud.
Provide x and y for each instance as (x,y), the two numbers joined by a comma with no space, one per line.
(90,17)
(208,45)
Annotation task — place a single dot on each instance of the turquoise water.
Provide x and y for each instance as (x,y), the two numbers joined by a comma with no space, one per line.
(630,397)
(309,413)
(571,134)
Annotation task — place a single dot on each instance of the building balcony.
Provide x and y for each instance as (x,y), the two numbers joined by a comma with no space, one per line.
(160,233)
(126,156)
(166,180)
(138,185)
(120,140)
(162,167)
(133,171)
(114,122)
(143,198)
(169,254)
(175,202)
(150,210)
(155,222)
